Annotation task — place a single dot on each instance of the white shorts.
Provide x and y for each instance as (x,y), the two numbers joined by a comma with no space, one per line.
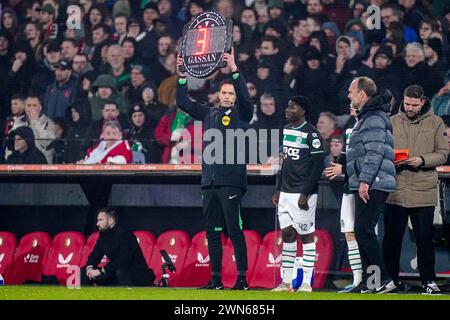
(289,214)
(348,213)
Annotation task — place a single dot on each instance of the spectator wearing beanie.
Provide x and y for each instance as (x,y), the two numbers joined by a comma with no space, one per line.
(141,135)
(314,83)
(45,73)
(433,56)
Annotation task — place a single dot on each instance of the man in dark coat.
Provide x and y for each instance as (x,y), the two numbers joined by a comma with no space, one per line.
(127,266)
(25,151)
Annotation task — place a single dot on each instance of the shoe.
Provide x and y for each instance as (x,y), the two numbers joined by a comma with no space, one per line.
(240,285)
(386,287)
(431,288)
(348,288)
(361,288)
(283,287)
(213,285)
(305,288)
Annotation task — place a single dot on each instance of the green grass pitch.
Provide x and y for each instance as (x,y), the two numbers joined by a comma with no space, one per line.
(63,293)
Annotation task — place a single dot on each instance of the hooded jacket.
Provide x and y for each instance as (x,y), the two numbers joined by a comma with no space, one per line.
(97,103)
(32,155)
(370,154)
(79,133)
(423,137)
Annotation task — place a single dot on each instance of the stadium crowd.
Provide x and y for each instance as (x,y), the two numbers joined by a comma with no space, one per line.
(119,66)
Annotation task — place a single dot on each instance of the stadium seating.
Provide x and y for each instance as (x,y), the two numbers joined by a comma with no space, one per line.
(229,271)
(66,250)
(29,259)
(197,266)
(176,243)
(8,245)
(147,242)
(90,243)
(267,268)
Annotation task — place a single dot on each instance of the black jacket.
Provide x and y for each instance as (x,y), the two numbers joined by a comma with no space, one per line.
(122,249)
(32,155)
(221,118)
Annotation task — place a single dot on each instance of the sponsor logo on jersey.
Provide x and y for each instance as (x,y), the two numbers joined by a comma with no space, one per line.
(316,143)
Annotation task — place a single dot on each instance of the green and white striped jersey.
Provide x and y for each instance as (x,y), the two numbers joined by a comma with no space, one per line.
(301,145)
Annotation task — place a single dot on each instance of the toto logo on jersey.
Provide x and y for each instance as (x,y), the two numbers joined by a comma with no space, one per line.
(204,41)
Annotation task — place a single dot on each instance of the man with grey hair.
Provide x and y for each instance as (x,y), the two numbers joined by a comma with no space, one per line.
(116,66)
(371,176)
(419,72)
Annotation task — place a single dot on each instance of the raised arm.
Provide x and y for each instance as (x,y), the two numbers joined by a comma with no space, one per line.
(243,101)
(193,108)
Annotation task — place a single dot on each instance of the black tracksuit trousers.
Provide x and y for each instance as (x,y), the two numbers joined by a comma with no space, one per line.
(395,221)
(221,210)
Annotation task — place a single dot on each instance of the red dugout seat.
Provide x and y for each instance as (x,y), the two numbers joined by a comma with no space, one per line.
(8,245)
(29,259)
(176,243)
(267,271)
(229,271)
(197,266)
(146,241)
(66,250)
(90,243)
(267,268)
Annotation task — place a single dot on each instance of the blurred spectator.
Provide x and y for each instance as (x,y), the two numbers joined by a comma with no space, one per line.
(315,9)
(80,65)
(336,146)
(45,72)
(149,101)
(147,39)
(418,72)
(133,28)
(441,100)
(43,127)
(313,81)
(18,78)
(48,22)
(25,151)
(16,118)
(337,11)
(433,55)
(62,92)
(79,132)
(426,27)
(268,117)
(392,13)
(120,25)
(58,145)
(116,67)
(9,22)
(110,113)
(105,91)
(170,133)
(139,72)
(129,46)
(111,150)
(327,126)
(141,135)
(69,49)
(33,35)
(32,9)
